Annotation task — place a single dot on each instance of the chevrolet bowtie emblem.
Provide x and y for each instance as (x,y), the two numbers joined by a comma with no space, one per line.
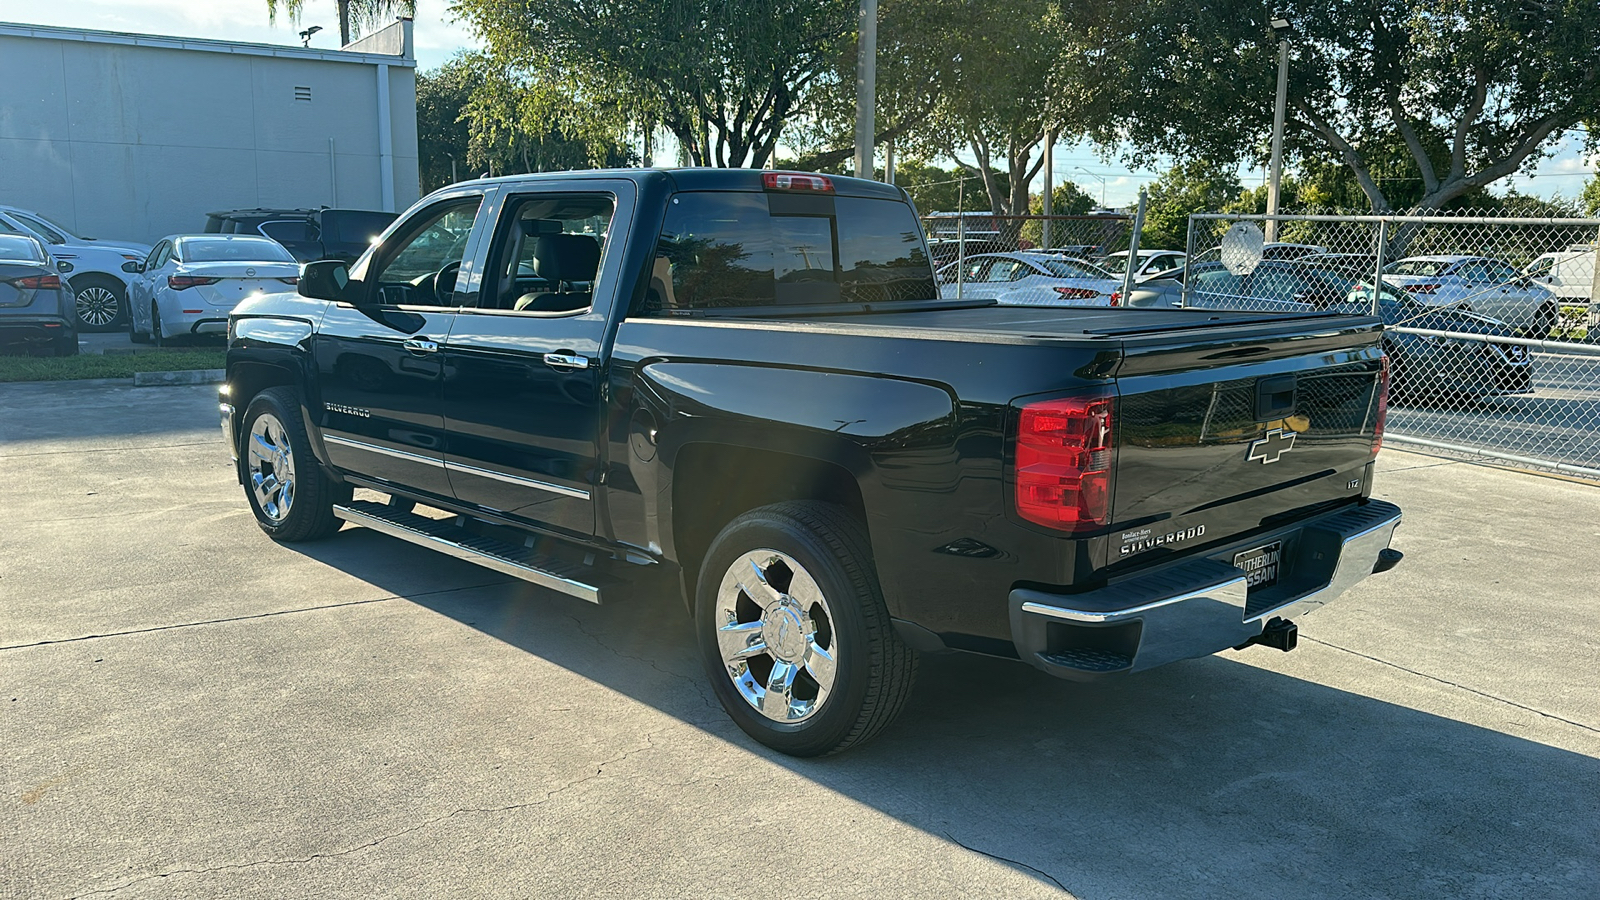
(1270,448)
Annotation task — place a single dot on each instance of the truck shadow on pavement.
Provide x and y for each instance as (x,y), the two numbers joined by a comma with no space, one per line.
(1207,778)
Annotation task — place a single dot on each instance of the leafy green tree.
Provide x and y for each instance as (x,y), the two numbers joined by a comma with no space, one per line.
(1473,90)
(995,66)
(934,189)
(491,119)
(521,121)
(725,78)
(1589,198)
(1066,200)
(442,131)
(1183,190)
(911,49)
(355,16)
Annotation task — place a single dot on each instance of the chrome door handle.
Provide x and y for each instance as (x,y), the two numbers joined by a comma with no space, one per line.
(417,345)
(566,361)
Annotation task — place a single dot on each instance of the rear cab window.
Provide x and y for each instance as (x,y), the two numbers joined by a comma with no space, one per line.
(749,249)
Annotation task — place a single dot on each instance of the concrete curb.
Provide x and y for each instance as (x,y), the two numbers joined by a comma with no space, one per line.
(193,376)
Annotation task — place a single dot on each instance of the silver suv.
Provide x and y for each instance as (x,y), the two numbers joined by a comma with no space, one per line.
(99,286)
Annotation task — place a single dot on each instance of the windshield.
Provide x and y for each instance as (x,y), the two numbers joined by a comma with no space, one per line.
(725,249)
(1063,269)
(17,248)
(236,250)
(1424,267)
(1115,265)
(50,230)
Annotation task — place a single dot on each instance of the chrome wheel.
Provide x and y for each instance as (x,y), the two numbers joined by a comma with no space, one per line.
(271,465)
(97,306)
(776,637)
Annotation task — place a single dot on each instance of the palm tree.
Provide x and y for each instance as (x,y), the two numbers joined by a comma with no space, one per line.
(358,13)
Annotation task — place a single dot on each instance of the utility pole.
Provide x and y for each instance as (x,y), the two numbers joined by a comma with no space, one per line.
(866,86)
(1280,27)
(1049,187)
(1096,178)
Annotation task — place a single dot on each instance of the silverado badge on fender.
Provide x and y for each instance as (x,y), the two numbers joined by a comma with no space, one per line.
(1274,445)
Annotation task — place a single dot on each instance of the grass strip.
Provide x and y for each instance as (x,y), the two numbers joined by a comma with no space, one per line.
(121,365)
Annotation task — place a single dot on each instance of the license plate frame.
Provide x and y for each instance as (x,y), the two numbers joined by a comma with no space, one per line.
(1262,565)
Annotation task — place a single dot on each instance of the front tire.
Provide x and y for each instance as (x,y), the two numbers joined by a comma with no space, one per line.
(291,496)
(794,633)
(101,303)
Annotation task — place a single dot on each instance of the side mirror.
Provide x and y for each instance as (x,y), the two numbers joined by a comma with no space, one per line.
(133,267)
(325,279)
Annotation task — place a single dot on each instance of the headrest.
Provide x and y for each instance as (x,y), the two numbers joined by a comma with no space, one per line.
(536,227)
(566,257)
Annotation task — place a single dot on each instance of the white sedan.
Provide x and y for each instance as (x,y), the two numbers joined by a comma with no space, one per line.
(1479,284)
(1029,279)
(190,282)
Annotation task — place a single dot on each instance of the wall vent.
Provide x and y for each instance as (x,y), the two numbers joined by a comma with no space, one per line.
(302,94)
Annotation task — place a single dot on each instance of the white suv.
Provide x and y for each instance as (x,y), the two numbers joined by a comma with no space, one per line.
(1569,274)
(99,286)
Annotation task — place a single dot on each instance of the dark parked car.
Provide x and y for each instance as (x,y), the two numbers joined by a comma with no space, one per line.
(36,305)
(740,391)
(308,234)
(1421,366)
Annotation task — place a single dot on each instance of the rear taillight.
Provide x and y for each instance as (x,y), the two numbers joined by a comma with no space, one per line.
(179,282)
(796,181)
(1063,468)
(1072,293)
(1423,288)
(37,283)
(1383,404)
(292,279)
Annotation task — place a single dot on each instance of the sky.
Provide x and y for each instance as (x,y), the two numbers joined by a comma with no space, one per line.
(438,37)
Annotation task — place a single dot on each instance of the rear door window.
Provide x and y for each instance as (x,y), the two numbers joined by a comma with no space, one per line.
(289,231)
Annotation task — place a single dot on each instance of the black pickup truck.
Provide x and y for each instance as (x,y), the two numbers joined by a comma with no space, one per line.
(742,386)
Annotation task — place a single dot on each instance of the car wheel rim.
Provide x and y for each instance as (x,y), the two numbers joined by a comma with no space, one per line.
(271,464)
(776,637)
(97,306)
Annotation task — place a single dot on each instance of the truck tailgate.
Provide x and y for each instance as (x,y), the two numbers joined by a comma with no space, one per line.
(1221,435)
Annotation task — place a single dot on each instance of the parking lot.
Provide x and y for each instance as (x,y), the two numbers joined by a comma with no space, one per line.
(193,710)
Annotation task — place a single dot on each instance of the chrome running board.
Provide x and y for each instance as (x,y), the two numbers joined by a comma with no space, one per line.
(445,536)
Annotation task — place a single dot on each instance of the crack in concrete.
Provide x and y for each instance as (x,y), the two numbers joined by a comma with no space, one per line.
(110,449)
(649,744)
(696,683)
(1445,681)
(1008,861)
(265,615)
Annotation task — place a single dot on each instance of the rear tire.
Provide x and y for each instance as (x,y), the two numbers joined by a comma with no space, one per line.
(290,494)
(101,303)
(156,337)
(65,346)
(794,633)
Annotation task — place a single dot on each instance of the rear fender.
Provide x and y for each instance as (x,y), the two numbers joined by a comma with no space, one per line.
(885,435)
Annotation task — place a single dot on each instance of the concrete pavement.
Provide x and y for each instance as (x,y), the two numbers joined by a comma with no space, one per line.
(187,709)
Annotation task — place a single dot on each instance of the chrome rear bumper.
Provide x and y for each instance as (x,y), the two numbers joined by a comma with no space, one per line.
(1197,607)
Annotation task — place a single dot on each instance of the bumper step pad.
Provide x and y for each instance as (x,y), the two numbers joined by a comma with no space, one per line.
(445,536)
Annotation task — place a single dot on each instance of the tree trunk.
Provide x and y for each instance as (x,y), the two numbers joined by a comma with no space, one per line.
(344,23)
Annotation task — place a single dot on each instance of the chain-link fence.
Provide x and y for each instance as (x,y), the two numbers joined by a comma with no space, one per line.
(1492,324)
(1087,237)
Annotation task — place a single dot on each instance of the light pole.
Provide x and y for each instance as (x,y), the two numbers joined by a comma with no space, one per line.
(866,86)
(1281,29)
(452,167)
(1096,178)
